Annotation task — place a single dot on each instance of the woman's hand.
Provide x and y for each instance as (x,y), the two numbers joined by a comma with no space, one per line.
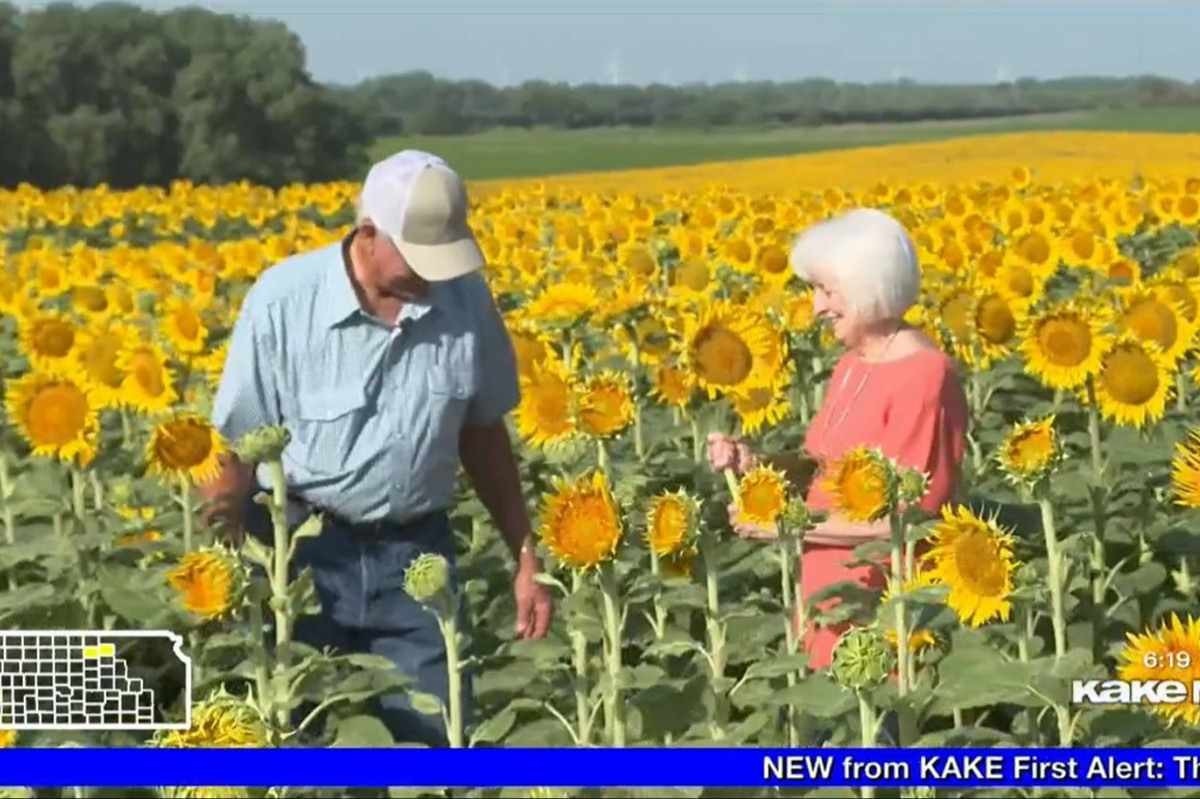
(754,532)
(727,452)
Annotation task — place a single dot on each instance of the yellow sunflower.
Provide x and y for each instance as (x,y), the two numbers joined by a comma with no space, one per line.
(581,523)
(973,558)
(670,522)
(208,581)
(765,405)
(1185,471)
(1030,451)
(219,722)
(723,345)
(762,495)
(185,446)
(1169,652)
(544,414)
(97,355)
(55,414)
(1133,383)
(605,404)
(1062,345)
(48,339)
(672,385)
(149,384)
(563,303)
(182,326)
(1151,317)
(863,485)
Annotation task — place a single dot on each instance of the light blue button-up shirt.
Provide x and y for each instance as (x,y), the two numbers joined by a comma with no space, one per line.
(374,411)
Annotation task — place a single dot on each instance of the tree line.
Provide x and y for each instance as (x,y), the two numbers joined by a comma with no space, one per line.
(113,93)
(117,94)
(418,102)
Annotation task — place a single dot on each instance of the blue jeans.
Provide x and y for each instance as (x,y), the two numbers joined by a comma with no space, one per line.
(359,578)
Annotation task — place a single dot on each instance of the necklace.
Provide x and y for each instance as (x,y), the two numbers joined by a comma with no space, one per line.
(861,385)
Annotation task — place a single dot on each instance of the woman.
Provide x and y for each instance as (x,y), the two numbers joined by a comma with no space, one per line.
(893,389)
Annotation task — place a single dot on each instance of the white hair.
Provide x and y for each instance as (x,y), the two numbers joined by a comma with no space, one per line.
(868,256)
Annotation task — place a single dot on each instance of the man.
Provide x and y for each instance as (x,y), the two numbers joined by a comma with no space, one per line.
(387,360)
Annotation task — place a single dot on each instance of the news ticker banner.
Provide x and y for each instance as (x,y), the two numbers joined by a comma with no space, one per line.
(601,767)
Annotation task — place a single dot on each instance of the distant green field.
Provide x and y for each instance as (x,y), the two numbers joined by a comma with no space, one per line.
(520,153)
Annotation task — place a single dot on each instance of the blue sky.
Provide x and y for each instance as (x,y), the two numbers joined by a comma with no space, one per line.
(674,41)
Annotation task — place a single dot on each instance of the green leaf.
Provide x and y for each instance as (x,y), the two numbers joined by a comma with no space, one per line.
(745,731)
(495,728)
(816,695)
(28,598)
(31,550)
(776,667)
(664,649)
(302,594)
(1144,580)
(425,703)
(366,660)
(366,732)
(977,676)
(643,676)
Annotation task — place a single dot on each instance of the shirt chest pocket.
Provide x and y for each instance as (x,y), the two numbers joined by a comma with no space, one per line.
(328,431)
(450,391)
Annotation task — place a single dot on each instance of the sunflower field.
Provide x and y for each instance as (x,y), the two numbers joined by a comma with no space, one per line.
(644,319)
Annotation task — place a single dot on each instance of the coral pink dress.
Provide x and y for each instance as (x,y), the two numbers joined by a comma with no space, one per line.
(912,409)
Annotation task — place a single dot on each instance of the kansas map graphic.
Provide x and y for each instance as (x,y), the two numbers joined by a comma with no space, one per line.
(81,680)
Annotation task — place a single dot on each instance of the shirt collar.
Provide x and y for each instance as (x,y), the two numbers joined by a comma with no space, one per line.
(339,302)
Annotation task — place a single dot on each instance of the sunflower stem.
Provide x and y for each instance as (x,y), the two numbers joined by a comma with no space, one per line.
(866,721)
(1180,392)
(1054,560)
(612,645)
(1024,634)
(1186,584)
(602,457)
(580,661)
(10,526)
(454,726)
(639,441)
(660,612)
(126,430)
(1099,496)
(715,629)
(77,495)
(97,490)
(189,522)
(697,441)
(732,482)
(901,622)
(280,604)
(788,581)
(262,666)
(958,718)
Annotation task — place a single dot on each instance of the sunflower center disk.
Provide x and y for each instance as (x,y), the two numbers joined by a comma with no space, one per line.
(1130,377)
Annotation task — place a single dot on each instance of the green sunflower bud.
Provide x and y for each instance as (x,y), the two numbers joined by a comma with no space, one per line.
(426,577)
(120,491)
(862,658)
(914,484)
(263,444)
(797,517)
(1027,577)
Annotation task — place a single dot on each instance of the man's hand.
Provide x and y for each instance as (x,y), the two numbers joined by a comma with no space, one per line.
(225,495)
(487,457)
(535,606)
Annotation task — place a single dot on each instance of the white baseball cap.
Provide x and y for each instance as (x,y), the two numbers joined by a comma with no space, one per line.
(421,203)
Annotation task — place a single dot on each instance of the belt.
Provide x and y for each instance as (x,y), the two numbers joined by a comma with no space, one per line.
(374,527)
